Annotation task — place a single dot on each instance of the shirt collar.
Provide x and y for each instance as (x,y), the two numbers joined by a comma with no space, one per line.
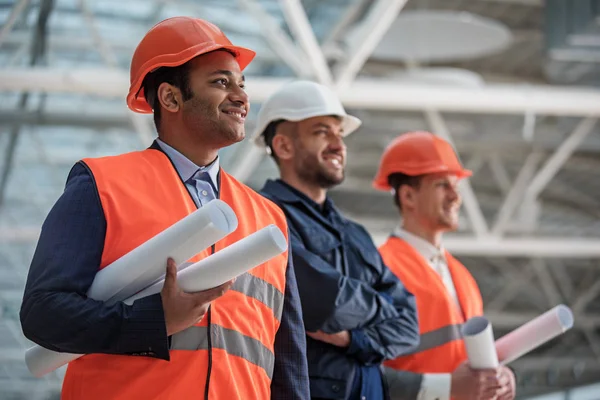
(325,208)
(185,167)
(423,247)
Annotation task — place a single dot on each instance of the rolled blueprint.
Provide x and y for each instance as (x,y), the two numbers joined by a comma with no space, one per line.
(210,272)
(482,352)
(479,343)
(227,263)
(145,265)
(534,333)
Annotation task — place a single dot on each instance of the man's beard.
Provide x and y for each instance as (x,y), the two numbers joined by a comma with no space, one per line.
(311,172)
(327,181)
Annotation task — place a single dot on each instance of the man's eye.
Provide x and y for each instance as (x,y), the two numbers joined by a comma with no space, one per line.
(222,81)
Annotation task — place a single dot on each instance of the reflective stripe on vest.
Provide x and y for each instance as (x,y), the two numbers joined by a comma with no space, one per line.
(262,291)
(438,337)
(234,343)
(244,321)
(441,349)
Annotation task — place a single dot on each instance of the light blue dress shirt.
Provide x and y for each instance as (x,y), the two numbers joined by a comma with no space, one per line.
(201,182)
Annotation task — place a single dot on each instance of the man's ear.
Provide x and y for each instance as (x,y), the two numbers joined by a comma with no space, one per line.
(284,140)
(169,97)
(407,196)
(283,147)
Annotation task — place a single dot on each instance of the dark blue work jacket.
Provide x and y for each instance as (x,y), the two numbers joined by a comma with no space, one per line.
(344,286)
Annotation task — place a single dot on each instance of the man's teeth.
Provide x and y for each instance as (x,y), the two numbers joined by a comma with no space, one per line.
(335,161)
(235,114)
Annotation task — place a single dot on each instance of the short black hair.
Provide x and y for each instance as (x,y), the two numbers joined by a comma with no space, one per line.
(397,179)
(177,76)
(269,134)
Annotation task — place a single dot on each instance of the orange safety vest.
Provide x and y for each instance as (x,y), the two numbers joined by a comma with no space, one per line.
(233,346)
(441,349)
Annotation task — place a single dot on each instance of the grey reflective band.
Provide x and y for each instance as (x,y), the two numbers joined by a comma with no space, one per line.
(262,291)
(438,337)
(233,342)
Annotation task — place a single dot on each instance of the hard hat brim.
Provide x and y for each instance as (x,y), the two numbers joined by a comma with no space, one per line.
(350,124)
(136,100)
(381,183)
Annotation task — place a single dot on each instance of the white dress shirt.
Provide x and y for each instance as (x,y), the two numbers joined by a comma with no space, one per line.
(433,386)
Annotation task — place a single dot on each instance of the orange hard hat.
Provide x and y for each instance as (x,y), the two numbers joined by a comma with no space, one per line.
(417,153)
(174,42)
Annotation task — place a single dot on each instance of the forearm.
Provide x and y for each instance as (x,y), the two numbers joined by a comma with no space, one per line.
(341,303)
(68,322)
(56,313)
(392,332)
(384,341)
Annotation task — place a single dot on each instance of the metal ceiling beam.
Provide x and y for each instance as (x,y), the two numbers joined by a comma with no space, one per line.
(250,157)
(463,245)
(515,194)
(15,13)
(548,285)
(374,94)
(499,173)
(527,186)
(37,52)
(534,3)
(52,118)
(543,362)
(299,25)
(380,17)
(62,43)
(560,156)
(549,247)
(105,50)
(540,247)
(516,280)
(352,13)
(278,40)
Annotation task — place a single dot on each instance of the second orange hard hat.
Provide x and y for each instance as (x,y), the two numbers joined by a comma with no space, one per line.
(174,42)
(417,153)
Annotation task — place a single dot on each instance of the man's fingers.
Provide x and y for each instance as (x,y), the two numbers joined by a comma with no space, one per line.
(171,275)
(487,378)
(504,380)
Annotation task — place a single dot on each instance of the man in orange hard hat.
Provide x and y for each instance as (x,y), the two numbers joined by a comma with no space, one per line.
(423,171)
(247,342)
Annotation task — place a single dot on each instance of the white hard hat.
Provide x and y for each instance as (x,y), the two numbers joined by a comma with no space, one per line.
(300,100)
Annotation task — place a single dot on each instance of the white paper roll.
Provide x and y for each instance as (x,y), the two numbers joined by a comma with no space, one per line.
(41,361)
(145,265)
(479,342)
(534,333)
(210,272)
(227,263)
